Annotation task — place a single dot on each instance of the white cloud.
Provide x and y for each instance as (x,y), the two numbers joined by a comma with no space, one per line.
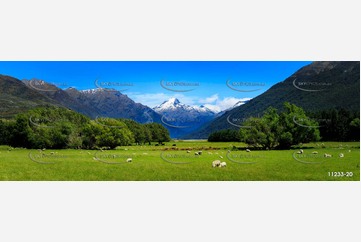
(222,104)
(210,99)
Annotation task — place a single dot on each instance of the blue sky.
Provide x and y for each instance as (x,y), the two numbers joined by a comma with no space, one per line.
(204,82)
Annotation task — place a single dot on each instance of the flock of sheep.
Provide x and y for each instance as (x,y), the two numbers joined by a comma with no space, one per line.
(218,163)
(215,163)
(341,155)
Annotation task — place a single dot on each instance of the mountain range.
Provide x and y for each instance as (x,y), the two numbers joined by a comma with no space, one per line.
(19,96)
(318,86)
(315,87)
(183,118)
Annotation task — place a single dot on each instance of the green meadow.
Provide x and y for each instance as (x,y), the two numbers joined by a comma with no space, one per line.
(177,161)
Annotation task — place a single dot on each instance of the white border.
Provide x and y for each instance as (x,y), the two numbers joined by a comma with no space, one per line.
(179,30)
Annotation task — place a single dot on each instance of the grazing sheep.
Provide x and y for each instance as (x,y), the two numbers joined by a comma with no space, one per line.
(341,155)
(199,152)
(129,160)
(223,164)
(300,152)
(327,155)
(248,150)
(188,151)
(314,152)
(216,163)
(196,153)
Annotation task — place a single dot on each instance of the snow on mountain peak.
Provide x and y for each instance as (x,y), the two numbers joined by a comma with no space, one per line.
(173,104)
(98,90)
(174,100)
(178,114)
(94,90)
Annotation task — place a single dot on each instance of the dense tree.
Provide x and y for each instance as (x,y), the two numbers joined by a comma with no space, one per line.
(354,132)
(106,132)
(158,133)
(47,128)
(262,132)
(139,131)
(338,124)
(6,127)
(296,127)
(274,130)
(60,128)
(226,135)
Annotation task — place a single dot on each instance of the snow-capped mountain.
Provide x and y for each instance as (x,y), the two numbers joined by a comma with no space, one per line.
(175,108)
(183,117)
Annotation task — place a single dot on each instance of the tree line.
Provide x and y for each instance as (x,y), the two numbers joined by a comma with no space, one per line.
(60,128)
(293,126)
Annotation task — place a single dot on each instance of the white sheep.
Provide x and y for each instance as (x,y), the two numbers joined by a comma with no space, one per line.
(223,164)
(129,160)
(327,155)
(341,155)
(314,152)
(248,150)
(216,163)
(196,153)
(300,152)
(188,151)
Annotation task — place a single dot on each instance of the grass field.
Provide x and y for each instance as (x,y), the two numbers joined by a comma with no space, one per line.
(174,163)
